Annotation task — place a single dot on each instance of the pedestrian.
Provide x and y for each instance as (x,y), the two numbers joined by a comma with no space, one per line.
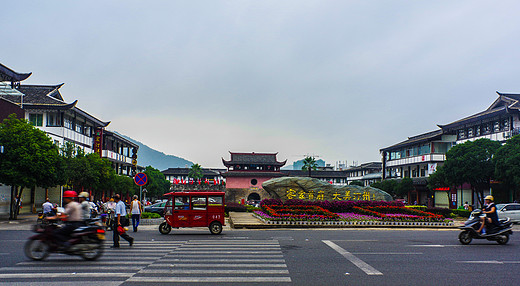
(466,206)
(120,221)
(136,209)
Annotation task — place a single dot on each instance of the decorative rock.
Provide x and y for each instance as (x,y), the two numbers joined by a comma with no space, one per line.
(313,189)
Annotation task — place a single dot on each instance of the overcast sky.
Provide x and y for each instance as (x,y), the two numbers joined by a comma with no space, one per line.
(338,79)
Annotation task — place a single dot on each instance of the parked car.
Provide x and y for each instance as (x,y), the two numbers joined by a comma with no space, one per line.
(157,208)
(511,211)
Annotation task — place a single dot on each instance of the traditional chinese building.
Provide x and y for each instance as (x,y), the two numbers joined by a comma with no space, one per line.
(246,172)
(46,109)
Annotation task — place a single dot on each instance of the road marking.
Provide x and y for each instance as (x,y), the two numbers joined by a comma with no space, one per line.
(73,268)
(434,245)
(222,260)
(225,252)
(208,279)
(174,255)
(197,265)
(218,271)
(226,248)
(369,270)
(387,253)
(64,275)
(61,262)
(489,262)
(357,240)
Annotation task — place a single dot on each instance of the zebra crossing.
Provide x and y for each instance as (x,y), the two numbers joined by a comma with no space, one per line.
(152,262)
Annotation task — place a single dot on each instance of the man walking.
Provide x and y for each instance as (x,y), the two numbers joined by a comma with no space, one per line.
(120,220)
(135,210)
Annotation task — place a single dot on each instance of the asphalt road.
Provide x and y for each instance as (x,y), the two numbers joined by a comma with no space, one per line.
(273,257)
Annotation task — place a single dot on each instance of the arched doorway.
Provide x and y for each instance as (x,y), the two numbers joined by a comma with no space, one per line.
(253,197)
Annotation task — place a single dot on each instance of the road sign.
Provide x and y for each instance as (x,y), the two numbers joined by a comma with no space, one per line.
(141,179)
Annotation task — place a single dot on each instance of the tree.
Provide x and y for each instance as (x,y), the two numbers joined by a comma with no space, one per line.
(157,184)
(195,172)
(388,186)
(357,183)
(30,159)
(309,163)
(404,186)
(507,164)
(438,180)
(471,162)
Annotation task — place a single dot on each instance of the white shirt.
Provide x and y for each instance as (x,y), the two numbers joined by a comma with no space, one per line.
(135,207)
(120,208)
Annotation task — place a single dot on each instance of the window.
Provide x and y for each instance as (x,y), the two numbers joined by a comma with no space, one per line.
(487,129)
(215,201)
(470,132)
(79,128)
(182,203)
(36,119)
(53,119)
(198,203)
(478,131)
(67,122)
(496,126)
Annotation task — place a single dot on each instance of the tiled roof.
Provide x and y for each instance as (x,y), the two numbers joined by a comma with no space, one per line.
(426,137)
(253,158)
(41,90)
(7,74)
(252,174)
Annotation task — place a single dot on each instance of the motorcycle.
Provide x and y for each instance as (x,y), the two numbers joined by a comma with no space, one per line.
(499,233)
(85,241)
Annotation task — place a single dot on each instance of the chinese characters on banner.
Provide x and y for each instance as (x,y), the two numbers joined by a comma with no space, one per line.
(98,141)
(336,196)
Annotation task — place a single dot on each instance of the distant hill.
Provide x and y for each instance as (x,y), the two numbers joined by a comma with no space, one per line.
(147,156)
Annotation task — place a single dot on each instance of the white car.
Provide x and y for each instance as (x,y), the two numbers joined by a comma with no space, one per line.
(511,211)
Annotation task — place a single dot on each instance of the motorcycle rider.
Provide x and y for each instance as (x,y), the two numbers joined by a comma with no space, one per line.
(85,206)
(72,215)
(490,211)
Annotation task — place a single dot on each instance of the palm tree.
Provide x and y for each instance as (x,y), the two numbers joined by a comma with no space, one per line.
(195,172)
(309,163)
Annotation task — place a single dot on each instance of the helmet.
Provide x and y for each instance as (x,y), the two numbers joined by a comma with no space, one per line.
(69,194)
(111,200)
(83,195)
(489,198)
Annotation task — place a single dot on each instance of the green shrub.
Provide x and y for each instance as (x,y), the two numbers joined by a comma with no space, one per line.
(252,208)
(234,207)
(150,215)
(420,208)
(462,213)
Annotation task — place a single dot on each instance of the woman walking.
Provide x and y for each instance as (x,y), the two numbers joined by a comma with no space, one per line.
(135,209)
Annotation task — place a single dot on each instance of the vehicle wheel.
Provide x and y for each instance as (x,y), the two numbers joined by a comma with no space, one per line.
(164,228)
(503,239)
(93,254)
(465,237)
(36,249)
(215,227)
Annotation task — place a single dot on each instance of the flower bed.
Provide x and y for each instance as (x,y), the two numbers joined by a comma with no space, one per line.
(391,213)
(300,213)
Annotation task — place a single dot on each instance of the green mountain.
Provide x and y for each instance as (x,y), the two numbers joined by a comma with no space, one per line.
(147,156)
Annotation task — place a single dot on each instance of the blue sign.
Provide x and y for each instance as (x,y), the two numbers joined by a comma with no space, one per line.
(141,179)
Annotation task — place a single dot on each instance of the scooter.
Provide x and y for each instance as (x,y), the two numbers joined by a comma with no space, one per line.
(499,233)
(85,241)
